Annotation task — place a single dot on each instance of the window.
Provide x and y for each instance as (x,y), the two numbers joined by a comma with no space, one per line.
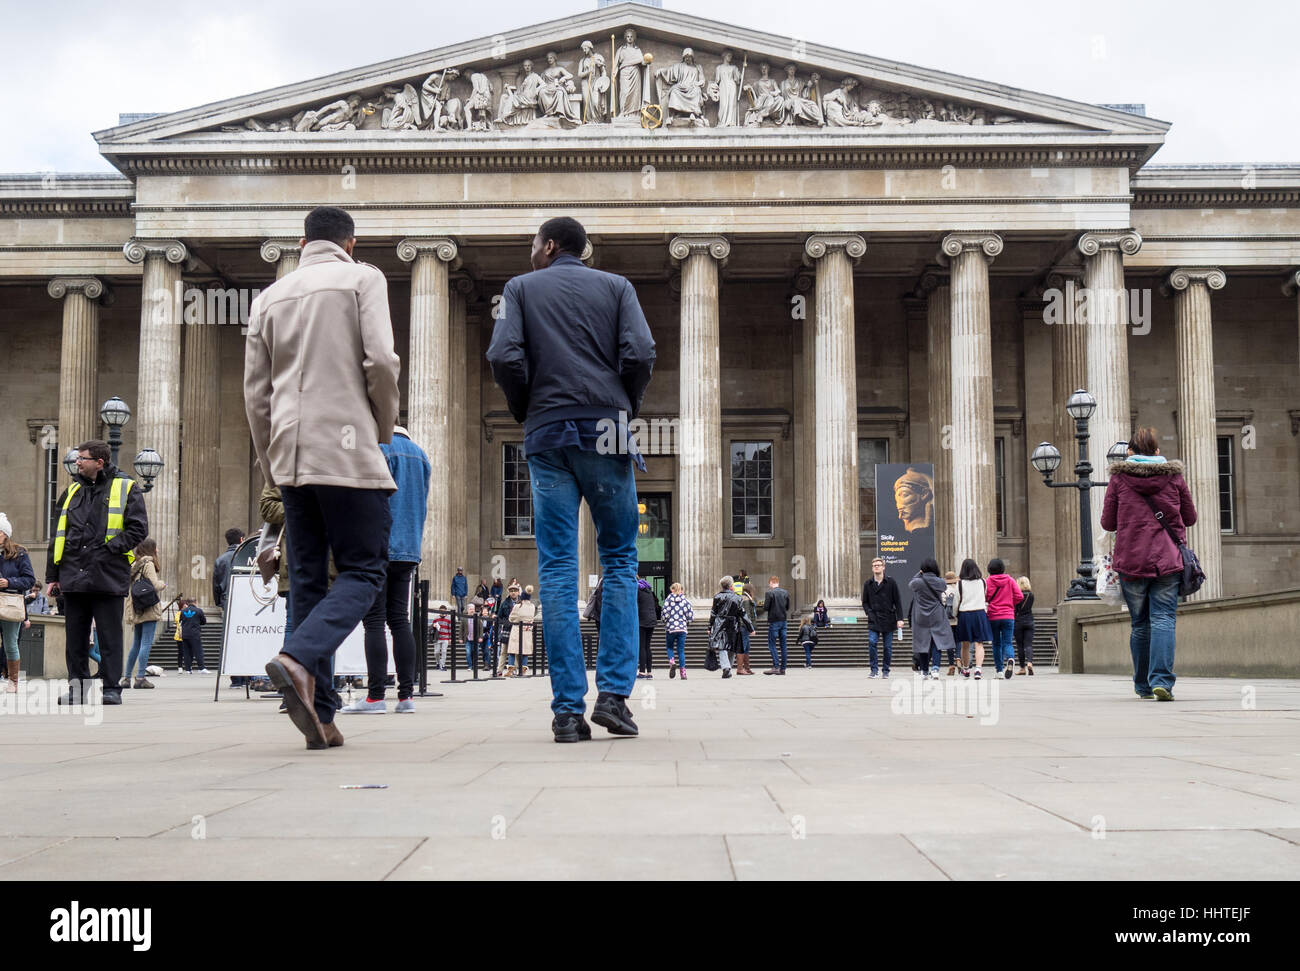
(1227,486)
(1000,483)
(871,452)
(751,488)
(51,493)
(516,492)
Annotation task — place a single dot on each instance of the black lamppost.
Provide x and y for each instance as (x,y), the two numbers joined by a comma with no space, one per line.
(115,413)
(1047,459)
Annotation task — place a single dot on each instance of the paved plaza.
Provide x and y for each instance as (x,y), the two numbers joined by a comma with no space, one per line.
(817,775)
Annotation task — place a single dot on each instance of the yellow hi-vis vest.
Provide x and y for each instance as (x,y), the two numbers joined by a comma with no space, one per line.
(117,493)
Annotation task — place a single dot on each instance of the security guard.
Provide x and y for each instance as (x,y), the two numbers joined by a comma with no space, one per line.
(101,521)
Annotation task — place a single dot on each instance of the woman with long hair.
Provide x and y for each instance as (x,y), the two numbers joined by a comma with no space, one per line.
(16,577)
(973,630)
(931,633)
(144,622)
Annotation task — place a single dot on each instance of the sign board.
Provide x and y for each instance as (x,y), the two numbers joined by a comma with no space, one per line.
(904,521)
(255,631)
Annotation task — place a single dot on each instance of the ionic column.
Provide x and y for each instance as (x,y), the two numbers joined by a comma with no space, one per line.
(78,363)
(428,397)
(805,486)
(699,459)
(1106,337)
(158,398)
(1291,288)
(1069,374)
(973,485)
(461,287)
(1194,343)
(935,287)
(284,253)
(200,527)
(838,546)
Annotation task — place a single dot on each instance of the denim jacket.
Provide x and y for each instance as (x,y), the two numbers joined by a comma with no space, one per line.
(410,469)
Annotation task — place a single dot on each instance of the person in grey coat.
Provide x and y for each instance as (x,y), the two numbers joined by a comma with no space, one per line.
(931,632)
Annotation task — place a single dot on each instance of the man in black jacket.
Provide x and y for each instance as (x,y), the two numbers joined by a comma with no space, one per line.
(573,354)
(102,519)
(777,607)
(221,571)
(884,609)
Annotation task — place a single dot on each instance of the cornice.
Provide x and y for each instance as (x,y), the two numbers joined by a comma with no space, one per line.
(1216,198)
(44,208)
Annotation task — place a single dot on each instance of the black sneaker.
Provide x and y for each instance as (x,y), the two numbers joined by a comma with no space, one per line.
(610,712)
(113,696)
(569,727)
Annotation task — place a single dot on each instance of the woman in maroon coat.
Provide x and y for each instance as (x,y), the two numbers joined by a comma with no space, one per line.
(1146,559)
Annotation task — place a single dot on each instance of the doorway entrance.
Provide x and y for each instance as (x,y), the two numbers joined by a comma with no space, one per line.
(654,540)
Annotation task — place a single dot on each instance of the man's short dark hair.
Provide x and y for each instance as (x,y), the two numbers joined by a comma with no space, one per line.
(567,233)
(330,224)
(233,535)
(97,450)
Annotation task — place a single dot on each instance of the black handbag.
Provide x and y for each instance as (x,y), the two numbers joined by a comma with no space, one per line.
(143,595)
(1193,577)
(711,662)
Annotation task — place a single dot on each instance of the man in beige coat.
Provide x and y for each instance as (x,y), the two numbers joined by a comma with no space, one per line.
(320,389)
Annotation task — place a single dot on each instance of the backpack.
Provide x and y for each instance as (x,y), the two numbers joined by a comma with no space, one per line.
(143,595)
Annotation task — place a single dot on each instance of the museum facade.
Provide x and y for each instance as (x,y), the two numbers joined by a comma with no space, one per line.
(844,262)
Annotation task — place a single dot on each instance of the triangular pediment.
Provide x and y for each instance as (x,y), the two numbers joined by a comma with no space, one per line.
(485,88)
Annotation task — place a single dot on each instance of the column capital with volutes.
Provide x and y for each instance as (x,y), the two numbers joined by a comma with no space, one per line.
(819,244)
(1128,242)
(273,250)
(681,247)
(1184,276)
(91,287)
(442,247)
(954,244)
(137,249)
(1291,285)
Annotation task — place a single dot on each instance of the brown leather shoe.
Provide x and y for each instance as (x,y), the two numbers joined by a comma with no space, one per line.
(298,688)
(333,736)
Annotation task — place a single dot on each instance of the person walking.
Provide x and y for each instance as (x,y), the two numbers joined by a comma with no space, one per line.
(931,633)
(501,627)
(1149,507)
(573,354)
(808,638)
(726,621)
(519,644)
(776,605)
(648,613)
(318,410)
(956,662)
(16,578)
(1002,594)
(749,604)
(409,466)
(141,616)
(102,519)
(973,630)
(678,614)
(459,586)
(221,569)
(1025,628)
(440,628)
(883,605)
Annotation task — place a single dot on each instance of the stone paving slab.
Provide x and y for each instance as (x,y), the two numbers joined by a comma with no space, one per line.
(817,775)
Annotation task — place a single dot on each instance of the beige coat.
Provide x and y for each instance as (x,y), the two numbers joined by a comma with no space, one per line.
(320,374)
(521,620)
(143,567)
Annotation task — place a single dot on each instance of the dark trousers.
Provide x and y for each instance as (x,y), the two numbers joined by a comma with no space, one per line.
(391,606)
(191,652)
(647,633)
(353,525)
(1024,644)
(106,611)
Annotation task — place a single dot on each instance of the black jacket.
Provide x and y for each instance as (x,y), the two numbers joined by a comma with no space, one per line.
(726,617)
(221,575)
(882,605)
(648,610)
(573,344)
(1025,610)
(192,619)
(89,564)
(776,605)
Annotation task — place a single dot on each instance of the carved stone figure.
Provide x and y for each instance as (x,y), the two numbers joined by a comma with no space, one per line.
(335,116)
(725,90)
(553,96)
(914,500)
(439,110)
(595,85)
(842,111)
(764,98)
(681,90)
(478,108)
(797,105)
(404,113)
(518,105)
(627,67)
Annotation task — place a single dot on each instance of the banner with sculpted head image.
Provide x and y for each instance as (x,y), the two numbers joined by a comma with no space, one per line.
(904,520)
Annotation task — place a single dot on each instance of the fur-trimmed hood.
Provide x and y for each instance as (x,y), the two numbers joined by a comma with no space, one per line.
(1168,467)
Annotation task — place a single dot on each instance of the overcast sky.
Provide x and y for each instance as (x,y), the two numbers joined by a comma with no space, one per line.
(1226,74)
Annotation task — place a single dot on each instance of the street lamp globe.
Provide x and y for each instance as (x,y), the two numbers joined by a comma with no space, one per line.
(1081,405)
(70,462)
(1118,453)
(115,412)
(1046,458)
(148,464)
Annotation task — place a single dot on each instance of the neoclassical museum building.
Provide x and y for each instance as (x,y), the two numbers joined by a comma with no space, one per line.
(845,261)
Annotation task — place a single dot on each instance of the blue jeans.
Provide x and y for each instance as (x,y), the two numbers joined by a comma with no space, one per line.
(775,629)
(744,639)
(10,629)
(352,524)
(1153,610)
(561,479)
(873,637)
(677,639)
(141,642)
(1004,642)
